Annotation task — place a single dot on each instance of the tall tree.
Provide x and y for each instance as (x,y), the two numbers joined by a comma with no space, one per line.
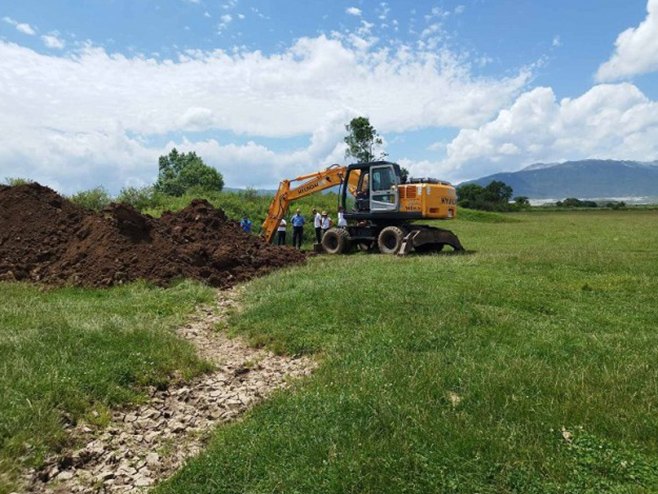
(362,140)
(180,171)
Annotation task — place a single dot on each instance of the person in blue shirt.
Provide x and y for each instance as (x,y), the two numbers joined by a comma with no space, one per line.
(297,229)
(246,223)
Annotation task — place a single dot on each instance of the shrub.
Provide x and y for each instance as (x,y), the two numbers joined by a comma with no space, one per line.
(94,199)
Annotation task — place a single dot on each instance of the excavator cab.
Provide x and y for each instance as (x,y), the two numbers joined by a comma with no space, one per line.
(376,189)
(384,181)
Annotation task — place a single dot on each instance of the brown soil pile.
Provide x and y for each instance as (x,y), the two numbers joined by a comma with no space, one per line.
(45,238)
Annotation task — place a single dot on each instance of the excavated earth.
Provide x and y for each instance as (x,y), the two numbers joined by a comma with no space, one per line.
(46,238)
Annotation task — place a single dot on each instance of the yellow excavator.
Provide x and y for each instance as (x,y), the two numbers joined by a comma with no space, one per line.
(379,208)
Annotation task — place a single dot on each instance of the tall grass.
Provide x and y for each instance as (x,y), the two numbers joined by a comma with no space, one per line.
(525,366)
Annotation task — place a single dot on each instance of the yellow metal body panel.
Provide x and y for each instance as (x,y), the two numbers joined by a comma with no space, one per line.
(433,201)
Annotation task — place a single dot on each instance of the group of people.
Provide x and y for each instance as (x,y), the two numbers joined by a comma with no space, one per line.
(321,223)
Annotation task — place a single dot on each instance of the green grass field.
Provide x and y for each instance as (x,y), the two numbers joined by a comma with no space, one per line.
(67,353)
(525,366)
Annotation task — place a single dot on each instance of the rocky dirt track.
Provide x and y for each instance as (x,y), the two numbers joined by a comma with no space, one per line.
(144,445)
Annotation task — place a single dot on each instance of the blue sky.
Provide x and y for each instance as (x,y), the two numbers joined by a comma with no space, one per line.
(92,92)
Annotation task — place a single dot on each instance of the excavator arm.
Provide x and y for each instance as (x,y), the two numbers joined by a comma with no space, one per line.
(291,190)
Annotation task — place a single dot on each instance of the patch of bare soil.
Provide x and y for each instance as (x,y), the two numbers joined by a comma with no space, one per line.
(144,445)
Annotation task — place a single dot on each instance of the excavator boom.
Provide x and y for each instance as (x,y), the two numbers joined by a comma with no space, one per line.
(302,186)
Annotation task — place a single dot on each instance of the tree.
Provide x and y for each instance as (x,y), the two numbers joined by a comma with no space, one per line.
(522,201)
(179,172)
(498,191)
(493,197)
(404,175)
(362,140)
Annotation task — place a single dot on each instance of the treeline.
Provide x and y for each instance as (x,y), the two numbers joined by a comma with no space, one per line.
(572,202)
(497,196)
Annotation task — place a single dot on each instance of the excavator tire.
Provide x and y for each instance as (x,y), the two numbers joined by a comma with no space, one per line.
(336,241)
(390,240)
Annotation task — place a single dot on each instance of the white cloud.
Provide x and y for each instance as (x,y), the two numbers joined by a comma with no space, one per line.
(383,11)
(224,21)
(92,117)
(557,42)
(608,121)
(22,27)
(636,49)
(353,11)
(52,41)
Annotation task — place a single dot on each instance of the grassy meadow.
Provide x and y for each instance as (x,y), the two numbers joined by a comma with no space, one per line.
(70,354)
(527,365)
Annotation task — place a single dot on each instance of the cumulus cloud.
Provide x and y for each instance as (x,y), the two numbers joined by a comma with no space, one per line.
(52,41)
(89,116)
(636,49)
(353,11)
(22,27)
(608,121)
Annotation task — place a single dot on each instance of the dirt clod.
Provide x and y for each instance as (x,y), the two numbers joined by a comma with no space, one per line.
(46,238)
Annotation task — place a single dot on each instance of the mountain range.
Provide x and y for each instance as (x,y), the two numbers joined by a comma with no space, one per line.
(585,179)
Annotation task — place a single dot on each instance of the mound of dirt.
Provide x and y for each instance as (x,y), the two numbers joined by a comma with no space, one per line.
(46,238)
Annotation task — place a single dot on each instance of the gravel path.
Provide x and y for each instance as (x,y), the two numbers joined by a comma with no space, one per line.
(144,445)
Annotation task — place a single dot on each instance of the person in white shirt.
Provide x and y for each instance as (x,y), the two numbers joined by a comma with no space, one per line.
(342,222)
(325,223)
(317,224)
(281,233)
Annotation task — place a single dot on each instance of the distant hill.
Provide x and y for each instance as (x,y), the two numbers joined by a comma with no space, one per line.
(586,179)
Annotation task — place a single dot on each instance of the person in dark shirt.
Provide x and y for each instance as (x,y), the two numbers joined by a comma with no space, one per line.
(297,229)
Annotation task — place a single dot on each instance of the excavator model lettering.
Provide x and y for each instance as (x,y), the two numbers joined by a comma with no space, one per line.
(381,210)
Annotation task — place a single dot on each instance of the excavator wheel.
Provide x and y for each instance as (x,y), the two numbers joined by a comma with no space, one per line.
(390,240)
(336,241)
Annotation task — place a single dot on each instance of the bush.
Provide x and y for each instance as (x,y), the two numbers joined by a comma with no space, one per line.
(14,181)
(138,197)
(94,199)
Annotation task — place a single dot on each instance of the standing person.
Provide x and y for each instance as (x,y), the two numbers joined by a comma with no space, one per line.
(245,224)
(281,233)
(342,222)
(297,229)
(317,223)
(325,223)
